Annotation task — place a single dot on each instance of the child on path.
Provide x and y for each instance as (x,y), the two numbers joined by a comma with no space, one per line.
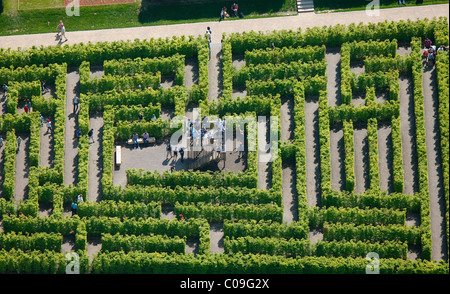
(49,125)
(169,151)
(63,33)
(19,140)
(75,104)
(91,135)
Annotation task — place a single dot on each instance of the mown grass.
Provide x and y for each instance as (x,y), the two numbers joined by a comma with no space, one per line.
(351,5)
(131,15)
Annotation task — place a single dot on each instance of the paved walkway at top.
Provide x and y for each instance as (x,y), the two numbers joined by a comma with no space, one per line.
(262,24)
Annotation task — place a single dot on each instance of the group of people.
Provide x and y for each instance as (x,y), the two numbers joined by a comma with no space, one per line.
(234,12)
(430,52)
(61,31)
(74,205)
(175,151)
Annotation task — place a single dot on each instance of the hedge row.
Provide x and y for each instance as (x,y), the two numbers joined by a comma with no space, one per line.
(120,83)
(442,73)
(334,36)
(119,209)
(156,243)
(372,233)
(285,55)
(372,137)
(265,228)
(190,178)
(163,263)
(301,248)
(30,242)
(167,195)
(173,65)
(371,199)
(97,53)
(349,155)
(218,213)
(36,262)
(355,215)
(298,70)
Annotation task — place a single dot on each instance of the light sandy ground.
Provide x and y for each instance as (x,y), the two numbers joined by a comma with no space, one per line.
(264,24)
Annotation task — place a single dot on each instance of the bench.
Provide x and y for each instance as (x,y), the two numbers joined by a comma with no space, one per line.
(118,155)
(141,141)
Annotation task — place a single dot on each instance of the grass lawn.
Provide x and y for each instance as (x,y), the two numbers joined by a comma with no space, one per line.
(39,4)
(141,13)
(349,5)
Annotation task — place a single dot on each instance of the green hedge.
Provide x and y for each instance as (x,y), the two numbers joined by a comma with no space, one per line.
(119,209)
(301,248)
(442,72)
(220,212)
(29,242)
(372,233)
(167,195)
(190,178)
(155,243)
(97,53)
(163,263)
(355,215)
(265,228)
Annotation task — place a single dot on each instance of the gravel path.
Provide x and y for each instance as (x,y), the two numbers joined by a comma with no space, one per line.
(22,168)
(215,72)
(435,181)
(312,146)
(71,143)
(95,158)
(216,237)
(191,73)
(361,157)
(264,167)
(408,131)
(385,157)
(289,193)
(287,120)
(47,154)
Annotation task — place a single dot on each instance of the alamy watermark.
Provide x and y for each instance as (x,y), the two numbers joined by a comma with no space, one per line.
(373,8)
(227,134)
(73,267)
(73,8)
(373,267)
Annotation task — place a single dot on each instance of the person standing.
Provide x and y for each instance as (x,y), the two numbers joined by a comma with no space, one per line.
(175,153)
(76,101)
(74,208)
(169,151)
(182,154)
(49,125)
(91,135)
(19,140)
(42,119)
(44,87)
(5,90)
(26,109)
(63,32)
(60,26)
(234,10)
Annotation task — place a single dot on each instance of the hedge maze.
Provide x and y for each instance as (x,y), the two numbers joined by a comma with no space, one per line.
(293,213)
